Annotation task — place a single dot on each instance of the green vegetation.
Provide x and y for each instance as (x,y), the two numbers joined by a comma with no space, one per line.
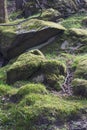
(33,100)
(38,109)
(81,67)
(74,21)
(25,66)
(50,14)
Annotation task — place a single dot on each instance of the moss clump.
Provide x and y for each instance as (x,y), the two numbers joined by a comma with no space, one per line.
(37,110)
(31,88)
(50,14)
(74,21)
(3,71)
(78,32)
(54,72)
(4,89)
(40,24)
(29,65)
(26,65)
(81,67)
(80,87)
(37,52)
(7,36)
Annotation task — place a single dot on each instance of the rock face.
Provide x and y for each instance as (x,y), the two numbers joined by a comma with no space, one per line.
(25,39)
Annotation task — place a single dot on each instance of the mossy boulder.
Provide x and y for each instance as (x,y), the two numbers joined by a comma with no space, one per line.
(34,67)
(50,14)
(81,67)
(53,66)
(25,66)
(4,89)
(78,32)
(29,88)
(80,87)
(32,32)
(32,88)
(53,73)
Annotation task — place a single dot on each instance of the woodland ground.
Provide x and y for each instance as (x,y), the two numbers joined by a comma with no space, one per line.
(26,105)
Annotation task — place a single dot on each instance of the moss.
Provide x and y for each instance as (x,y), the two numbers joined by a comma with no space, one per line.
(3,71)
(9,33)
(7,36)
(25,66)
(4,89)
(37,52)
(78,32)
(50,14)
(53,66)
(74,21)
(53,70)
(80,87)
(37,110)
(81,67)
(31,88)
(40,24)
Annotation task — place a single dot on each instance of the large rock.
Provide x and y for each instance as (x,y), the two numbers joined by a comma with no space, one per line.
(32,33)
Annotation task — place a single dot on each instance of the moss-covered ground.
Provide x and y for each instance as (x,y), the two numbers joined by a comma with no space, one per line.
(26,105)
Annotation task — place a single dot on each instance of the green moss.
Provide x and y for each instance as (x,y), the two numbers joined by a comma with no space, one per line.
(31,88)
(53,66)
(39,24)
(25,66)
(50,14)
(74,21)
(7,36)
(8,33)
(53,70)
(3,71)
(37,110)
(80,87)
(81,67)
(4,89)
(78,32)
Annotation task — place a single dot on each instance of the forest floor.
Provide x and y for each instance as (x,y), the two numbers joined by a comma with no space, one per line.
(55,96)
